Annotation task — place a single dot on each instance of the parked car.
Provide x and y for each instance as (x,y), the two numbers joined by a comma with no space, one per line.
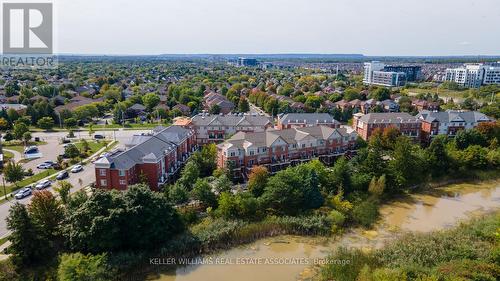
(44,165)
(62,175)
(23,192)
(98,137)
(43,184)
(31,150)
(77,168)
(65,141)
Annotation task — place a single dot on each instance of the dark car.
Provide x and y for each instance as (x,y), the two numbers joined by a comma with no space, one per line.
(62,175)
(98,137)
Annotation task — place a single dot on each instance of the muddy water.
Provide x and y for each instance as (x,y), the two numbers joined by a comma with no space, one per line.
(263,259)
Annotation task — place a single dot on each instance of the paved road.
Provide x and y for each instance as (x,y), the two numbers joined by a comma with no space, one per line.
(258,110)
(87,176)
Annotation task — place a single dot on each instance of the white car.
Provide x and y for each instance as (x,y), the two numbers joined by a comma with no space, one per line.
(43,184)
(23,192)
(45,165)
(77,168)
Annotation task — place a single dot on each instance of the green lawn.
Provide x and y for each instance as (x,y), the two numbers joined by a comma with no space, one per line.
(443,93)
(7,156)
(94,146)
(29,180)
(3,240)
(19,147)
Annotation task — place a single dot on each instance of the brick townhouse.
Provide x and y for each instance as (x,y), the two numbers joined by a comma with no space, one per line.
(300,120)
(157,156)
(449,122)
(211,128)
(365,124)
(277,149)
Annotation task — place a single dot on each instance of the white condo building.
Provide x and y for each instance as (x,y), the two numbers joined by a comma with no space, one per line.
(375,74)
(474,75)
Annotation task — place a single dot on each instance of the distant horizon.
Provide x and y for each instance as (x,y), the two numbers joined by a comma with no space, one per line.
(271,54)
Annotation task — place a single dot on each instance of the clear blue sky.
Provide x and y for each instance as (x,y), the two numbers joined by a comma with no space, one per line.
(370,27)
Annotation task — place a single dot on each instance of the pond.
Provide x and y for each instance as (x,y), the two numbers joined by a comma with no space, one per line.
(294,258)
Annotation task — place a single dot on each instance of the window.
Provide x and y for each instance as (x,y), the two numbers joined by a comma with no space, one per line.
(102,172)
(104,183)
(121,173)
(123,182)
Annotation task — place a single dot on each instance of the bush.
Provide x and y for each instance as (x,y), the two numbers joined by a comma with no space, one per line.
(80,267)
(355,261)
(366,212)
(336,219)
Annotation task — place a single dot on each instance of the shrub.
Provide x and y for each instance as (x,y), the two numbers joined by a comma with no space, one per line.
(80,267)
(336,219)
(366,212)
(355,261)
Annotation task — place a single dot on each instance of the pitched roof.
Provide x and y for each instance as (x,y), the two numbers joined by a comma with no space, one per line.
(307,118)
(389,117)
(289,136)
(230,120)
(147,148)
(453,116)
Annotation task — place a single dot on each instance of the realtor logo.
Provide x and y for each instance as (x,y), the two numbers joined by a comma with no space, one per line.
(27,28)
(27,35)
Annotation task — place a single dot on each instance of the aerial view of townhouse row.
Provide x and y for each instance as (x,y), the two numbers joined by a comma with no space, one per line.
(240,150)
(253,139)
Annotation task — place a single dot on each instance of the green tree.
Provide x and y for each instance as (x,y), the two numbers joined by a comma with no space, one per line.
(437,156)
(293,190)
(26,137)
(70,123)
(189,174)
(215,109)
(341,177)
(46,123)
(150,101)
(46,212)
(13,172)
(257,180)
(178,194)
(28,246)
(63,189)
(202,191)
(145,216)
(381,94)
(71,151)
(19,129)
(405,165)
(351,94)
(80,267)
(243,105)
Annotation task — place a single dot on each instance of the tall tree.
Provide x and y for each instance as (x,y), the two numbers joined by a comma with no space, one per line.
(257,180)
(28,246)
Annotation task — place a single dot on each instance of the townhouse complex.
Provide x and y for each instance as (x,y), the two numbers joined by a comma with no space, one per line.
(210,128)
(154,158)
(365,124)
(423,126)
(474,75)
(245,141)
(300,120)
(449,122)
(278,149)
